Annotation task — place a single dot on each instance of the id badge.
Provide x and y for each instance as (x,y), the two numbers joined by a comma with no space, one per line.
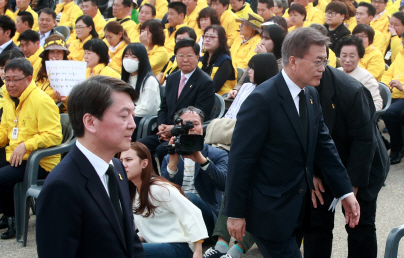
(14,134)
(388,55)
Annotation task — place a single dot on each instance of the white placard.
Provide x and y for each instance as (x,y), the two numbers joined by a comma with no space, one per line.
(64,75)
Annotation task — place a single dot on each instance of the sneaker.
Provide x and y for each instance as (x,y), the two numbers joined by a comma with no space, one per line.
(226,256)
(213,253)
(10,233)
(3,222)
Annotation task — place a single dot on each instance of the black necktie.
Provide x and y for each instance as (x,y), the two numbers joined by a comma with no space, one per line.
(114,194)
(303,114)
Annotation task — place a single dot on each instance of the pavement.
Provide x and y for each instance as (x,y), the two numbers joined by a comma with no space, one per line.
(389,207)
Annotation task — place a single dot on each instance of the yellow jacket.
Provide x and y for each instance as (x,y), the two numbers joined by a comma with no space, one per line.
(230,25)
(116,57)
(2,91)
(99,23)
(305,24)
(391,8)
(102,69)
(38,124)
(242,53)
(36,62)
(15,39)
(382,23)
(373,62)
(395,72)
(322,4)
(351,23)
(169,42)
(395,46)
(10,14)
(246,9)
(202,4)
(314,15)
(158,57)
(70,12)
(76,49)
(34,15)
(190,20)
(130,27)
(332,58)
(46,87)
(161,7)
(380,41)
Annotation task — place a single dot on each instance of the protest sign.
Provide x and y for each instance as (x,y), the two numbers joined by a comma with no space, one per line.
(64,75)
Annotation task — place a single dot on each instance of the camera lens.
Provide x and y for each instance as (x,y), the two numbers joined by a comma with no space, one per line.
(189,144)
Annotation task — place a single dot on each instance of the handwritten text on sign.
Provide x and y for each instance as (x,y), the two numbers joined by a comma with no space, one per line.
(64,75)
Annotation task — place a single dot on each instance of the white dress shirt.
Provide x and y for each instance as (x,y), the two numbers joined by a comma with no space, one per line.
(377,16)
(188,75)
(43,37)
(2,47)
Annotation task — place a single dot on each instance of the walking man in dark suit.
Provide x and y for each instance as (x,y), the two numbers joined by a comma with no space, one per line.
(279,134)
(84,209)
(7,32)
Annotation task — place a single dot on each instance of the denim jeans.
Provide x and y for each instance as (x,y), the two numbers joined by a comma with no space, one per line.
(167,250)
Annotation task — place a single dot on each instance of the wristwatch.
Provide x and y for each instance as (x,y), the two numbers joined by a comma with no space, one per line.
(206,163)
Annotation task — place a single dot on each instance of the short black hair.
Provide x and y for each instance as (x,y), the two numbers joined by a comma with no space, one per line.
(370,32)
(180,112)
(371,9)
(21,64)
(400,16)
(7,24)
(100,48)
(351,41)
(222,2)
(48,11)
(26,17)
(152,8)
(270,3)
(93,2)
(9,55)
(265,67)
(338,7)
(179,7)
(29,35)
(93,96)
(185,29)
(87,20)
(187,43)
(298,8)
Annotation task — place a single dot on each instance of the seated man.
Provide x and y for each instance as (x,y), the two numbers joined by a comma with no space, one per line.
(381,20)
(227,20)
(176,16)
(30,121)
(188,87)
(146,12)
(31,49)
(24,22)
(160,7)
(240,8)
(47,24)
(335,14)
(265,9)
(120,10)
(202,174)
(70,12)
(192,14)
(7,32)
(23,5)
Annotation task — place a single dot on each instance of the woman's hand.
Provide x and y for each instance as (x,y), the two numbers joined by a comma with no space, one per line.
(232,94)
(198,251)
(145,38)
(260,49)
(397,84)
(59,97)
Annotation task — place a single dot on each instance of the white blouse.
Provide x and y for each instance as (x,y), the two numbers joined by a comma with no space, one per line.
(175,220)
(149,96)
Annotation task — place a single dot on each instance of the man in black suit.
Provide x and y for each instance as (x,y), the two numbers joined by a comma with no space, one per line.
(188,87)
(349,114)
(84,209)
(7,32)
(279,134)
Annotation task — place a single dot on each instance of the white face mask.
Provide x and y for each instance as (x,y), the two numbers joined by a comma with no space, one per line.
(130,65)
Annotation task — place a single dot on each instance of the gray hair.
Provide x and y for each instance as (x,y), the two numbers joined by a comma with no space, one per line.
(21,64)
(320,28)
(282,3)
(195,110)
(298,42)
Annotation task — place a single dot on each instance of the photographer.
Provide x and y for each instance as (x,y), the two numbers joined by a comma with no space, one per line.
(202,174)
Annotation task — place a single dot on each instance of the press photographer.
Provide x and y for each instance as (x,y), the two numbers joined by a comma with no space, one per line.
(201,174)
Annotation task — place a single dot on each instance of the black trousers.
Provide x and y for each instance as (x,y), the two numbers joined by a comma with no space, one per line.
(154,145)
(9,177)
(362,240)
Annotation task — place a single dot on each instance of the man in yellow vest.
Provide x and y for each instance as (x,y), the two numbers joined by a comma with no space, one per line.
(176,16)
(381,20)
(192,14)
(227,20)
(23,5)
(314,15)
(120,10)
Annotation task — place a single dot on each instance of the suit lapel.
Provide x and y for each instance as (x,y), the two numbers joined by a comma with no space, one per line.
(310,125)
(187,88)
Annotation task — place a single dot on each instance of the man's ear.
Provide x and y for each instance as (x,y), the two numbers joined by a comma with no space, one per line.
(90,123)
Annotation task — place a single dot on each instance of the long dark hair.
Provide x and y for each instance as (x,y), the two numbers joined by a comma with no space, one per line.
(265,67)
(277,35)
(149,178)
(87,20)
(42,75)
(144,70)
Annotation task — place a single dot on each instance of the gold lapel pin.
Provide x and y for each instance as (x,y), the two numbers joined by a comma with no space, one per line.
(120,177)
(311,101)
(190,86)
(333,106)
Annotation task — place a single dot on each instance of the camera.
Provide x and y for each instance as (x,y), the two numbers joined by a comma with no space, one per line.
(185,143)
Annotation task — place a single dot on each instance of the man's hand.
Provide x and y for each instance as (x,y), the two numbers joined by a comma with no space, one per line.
(164,135)
(397,84)
(260,49)
(352,211)
(196,156)
(17,155)
(232,94)
(392,31)
(236,228)
(59,97)
(318,188)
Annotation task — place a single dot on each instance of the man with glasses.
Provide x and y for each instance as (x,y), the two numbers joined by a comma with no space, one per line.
(335,14)
(279,134)
(381,20)
(30,121)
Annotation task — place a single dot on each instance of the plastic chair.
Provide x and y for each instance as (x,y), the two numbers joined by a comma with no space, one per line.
(386,96)
(217,111)
(31,186)
(392,242)
(240,72)
(64,30)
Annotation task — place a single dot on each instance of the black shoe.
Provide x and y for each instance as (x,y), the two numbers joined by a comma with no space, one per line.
(3,222)
(395,157)
(10,233)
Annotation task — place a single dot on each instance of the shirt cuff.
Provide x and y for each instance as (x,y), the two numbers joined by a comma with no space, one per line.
(205,167)
(171,173)
(335,201)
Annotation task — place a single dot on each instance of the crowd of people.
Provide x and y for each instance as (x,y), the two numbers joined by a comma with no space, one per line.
(172,59)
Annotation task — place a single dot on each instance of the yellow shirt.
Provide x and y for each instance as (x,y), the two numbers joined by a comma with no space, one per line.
(99,23)
(34,15)
(46,87)
(190,20)
(382,23)
(395,72)
(70,12)
(36,62)
(246,9)
(161,7)
(242,53)
(102,69)
(373,62)
(116,57)
(314,15)
(38,124)
(169,43)
(305,24)
(230,25)
(158,57)
(76,49)
(130,27)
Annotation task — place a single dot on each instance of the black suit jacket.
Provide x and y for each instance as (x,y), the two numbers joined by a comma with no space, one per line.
(270,169)
(349,113)
(75,216)
(199,91)
(12,46)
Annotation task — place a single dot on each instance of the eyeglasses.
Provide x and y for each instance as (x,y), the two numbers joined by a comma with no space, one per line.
(211,37)
(332,14)
(81,27)
(8,80)
(185,56)
(319,64)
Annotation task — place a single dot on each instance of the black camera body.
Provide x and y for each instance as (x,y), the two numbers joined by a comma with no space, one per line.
(185,143)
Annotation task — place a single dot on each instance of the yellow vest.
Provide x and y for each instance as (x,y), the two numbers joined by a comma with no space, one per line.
(2,91)
(10,14)
(102,69)
(230,25)
(395,72)
(36,62)
(70,12)
(116,57)
(351,23)
(242,53)
(373,62)
(171,67)
(34,15)
(158,57)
